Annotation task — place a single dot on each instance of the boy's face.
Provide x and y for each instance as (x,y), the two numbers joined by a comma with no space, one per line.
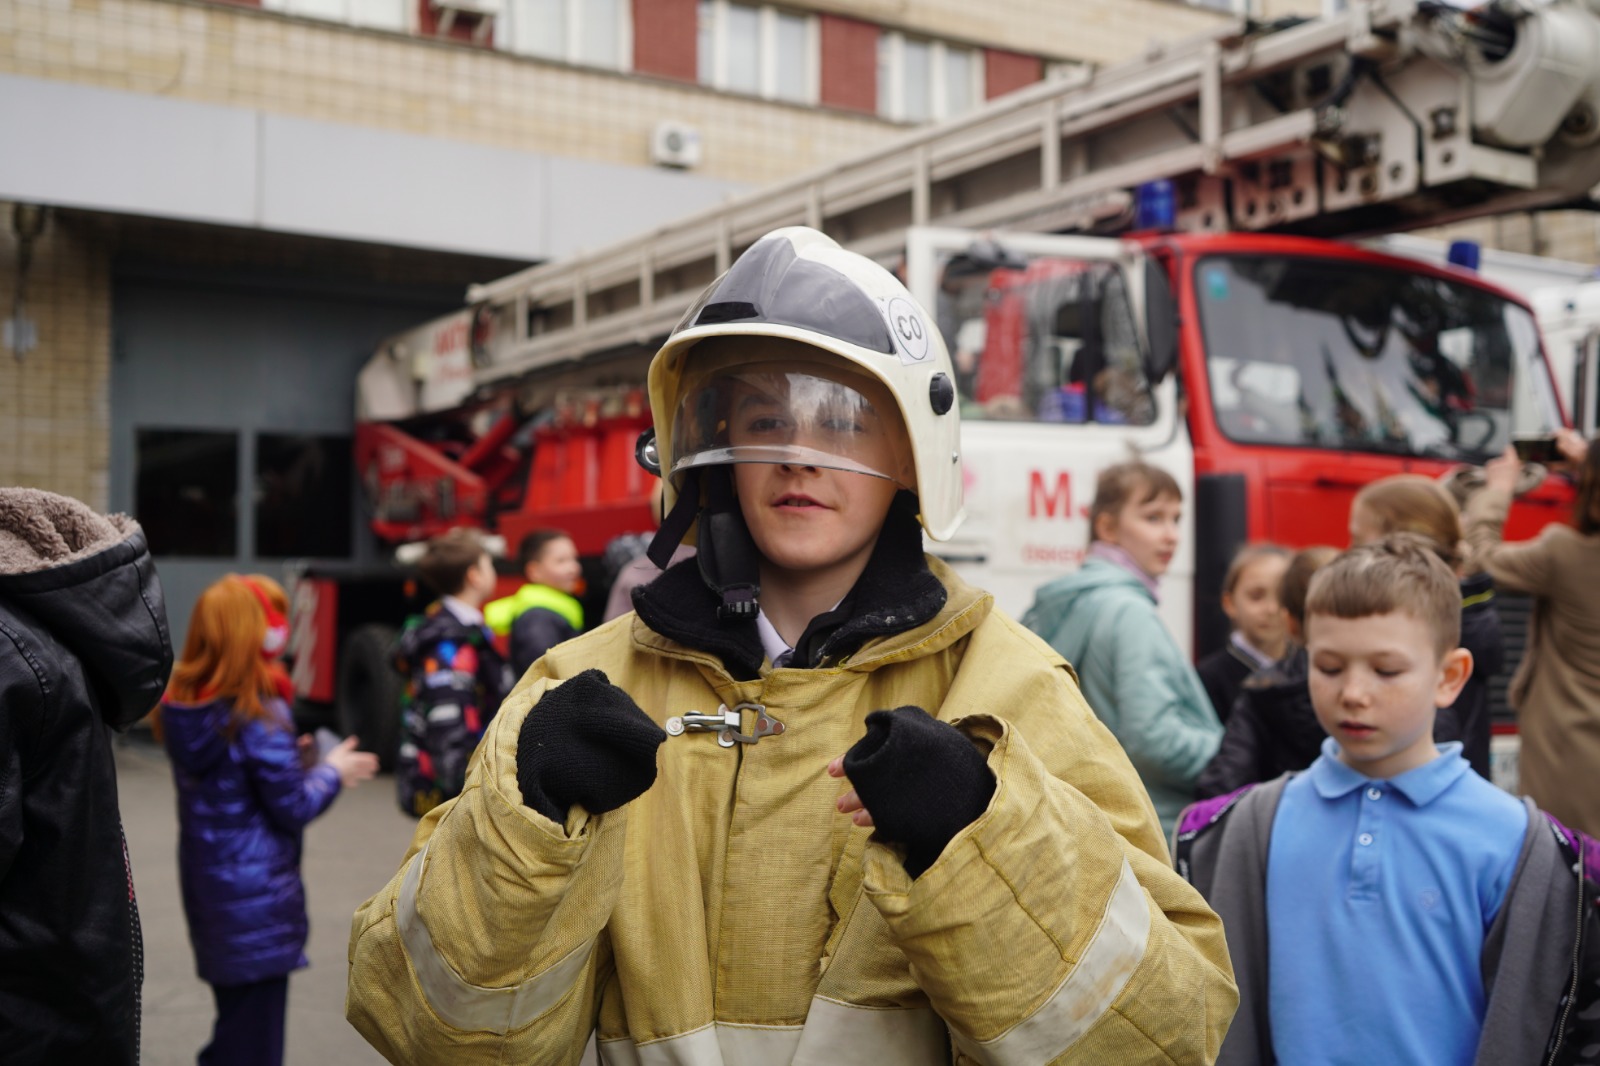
(557,566)
(1147,530)
(1252,606)
(811,521)
(1375,683)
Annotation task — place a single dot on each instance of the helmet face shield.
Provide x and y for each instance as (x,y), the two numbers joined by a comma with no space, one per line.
(820,416)
(805,353)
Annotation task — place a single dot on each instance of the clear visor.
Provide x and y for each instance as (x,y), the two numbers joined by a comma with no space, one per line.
(817,417)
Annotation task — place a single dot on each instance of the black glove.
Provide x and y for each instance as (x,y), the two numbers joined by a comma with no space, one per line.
(585,742)
(921,780)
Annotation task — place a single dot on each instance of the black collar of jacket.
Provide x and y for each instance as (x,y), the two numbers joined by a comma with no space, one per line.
(895,592)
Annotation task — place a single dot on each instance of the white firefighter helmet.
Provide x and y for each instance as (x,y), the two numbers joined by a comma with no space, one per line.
(823,331)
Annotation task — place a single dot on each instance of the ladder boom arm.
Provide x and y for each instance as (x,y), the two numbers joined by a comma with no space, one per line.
(1393,115)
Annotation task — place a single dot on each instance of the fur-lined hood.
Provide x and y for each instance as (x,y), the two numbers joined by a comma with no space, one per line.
(88,579)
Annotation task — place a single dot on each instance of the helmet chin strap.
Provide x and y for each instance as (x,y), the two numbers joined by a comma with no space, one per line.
(729,562)
(730,565)
(676,522)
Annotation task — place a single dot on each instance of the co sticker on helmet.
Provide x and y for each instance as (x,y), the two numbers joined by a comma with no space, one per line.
(909,328)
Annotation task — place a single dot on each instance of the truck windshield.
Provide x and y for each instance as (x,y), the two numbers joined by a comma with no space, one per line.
(1042,339)
(1335,354)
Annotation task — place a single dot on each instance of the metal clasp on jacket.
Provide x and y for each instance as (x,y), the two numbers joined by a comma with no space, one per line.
(727,724)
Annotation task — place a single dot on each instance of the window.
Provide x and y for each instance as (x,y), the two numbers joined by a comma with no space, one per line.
(1066,69)
(302,496)
(920,80)
(186,491)
(762,51)
(1043,340)
(1322,353)
(593,33)
(378,14)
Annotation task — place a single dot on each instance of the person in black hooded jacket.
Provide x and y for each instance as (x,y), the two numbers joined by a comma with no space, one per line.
(84,651)
(1480,634)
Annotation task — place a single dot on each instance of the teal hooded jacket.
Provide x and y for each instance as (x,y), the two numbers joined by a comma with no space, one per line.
(1103,621)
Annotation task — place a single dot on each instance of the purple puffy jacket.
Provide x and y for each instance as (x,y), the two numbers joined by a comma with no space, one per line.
(241,807)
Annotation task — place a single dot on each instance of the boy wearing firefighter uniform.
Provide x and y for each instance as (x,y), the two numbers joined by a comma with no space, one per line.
(656,845)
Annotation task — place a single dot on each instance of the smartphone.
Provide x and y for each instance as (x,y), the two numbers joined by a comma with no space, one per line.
(1538,449)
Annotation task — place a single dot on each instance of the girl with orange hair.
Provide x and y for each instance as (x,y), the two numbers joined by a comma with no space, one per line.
(245,792)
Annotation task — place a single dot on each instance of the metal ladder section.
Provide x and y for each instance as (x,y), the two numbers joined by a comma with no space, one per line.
(1334,126)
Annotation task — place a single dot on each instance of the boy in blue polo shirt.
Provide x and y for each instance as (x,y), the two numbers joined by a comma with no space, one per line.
(1383,906)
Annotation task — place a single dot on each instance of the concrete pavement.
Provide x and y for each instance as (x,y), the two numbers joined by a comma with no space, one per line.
(351,852)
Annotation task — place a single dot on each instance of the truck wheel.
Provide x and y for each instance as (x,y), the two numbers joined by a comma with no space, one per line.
(368,703)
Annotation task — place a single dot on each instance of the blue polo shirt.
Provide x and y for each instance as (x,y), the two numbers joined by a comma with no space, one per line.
(1379,894)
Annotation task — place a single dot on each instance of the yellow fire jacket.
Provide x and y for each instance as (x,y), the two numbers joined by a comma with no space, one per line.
(730,916)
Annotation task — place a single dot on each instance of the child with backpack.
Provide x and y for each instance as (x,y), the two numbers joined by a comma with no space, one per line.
(455,677)
(1388,904)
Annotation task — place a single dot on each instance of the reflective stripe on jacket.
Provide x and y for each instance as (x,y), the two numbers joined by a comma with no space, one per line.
(732,915)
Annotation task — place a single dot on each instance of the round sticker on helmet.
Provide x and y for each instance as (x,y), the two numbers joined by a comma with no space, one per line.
(910,329)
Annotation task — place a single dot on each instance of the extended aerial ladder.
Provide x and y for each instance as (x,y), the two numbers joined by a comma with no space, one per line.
(1393,115)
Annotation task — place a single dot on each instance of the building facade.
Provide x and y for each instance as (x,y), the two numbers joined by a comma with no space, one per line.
(242,198)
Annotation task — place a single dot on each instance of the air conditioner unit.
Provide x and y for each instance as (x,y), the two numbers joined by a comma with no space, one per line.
(674,144)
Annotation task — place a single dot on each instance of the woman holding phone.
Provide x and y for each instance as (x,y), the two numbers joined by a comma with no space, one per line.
(1556,690)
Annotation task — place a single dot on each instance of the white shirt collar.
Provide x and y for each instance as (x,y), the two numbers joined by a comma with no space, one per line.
(771,643)
(465,613)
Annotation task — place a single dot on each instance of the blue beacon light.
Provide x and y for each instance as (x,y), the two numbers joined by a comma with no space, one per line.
(1465,254)
(1155,205)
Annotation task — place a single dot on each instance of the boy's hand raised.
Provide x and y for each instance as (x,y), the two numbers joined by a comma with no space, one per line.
(585,742)
(918,780)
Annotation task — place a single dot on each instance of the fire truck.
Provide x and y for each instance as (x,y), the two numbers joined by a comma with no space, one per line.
(1137,260)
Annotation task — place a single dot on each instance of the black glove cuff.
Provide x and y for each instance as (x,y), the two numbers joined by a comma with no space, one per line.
(585,742)
(921,779)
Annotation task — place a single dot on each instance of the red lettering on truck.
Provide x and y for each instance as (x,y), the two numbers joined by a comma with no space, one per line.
(1051,501)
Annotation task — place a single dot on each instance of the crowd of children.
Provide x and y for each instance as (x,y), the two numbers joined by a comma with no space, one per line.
(814,799)
(1388,904)
(861,816)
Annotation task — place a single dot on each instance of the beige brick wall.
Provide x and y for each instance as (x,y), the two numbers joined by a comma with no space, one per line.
(1100,31)
(1570,235)
(220,54)
(1276,9)
(214,53)
(55,408)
